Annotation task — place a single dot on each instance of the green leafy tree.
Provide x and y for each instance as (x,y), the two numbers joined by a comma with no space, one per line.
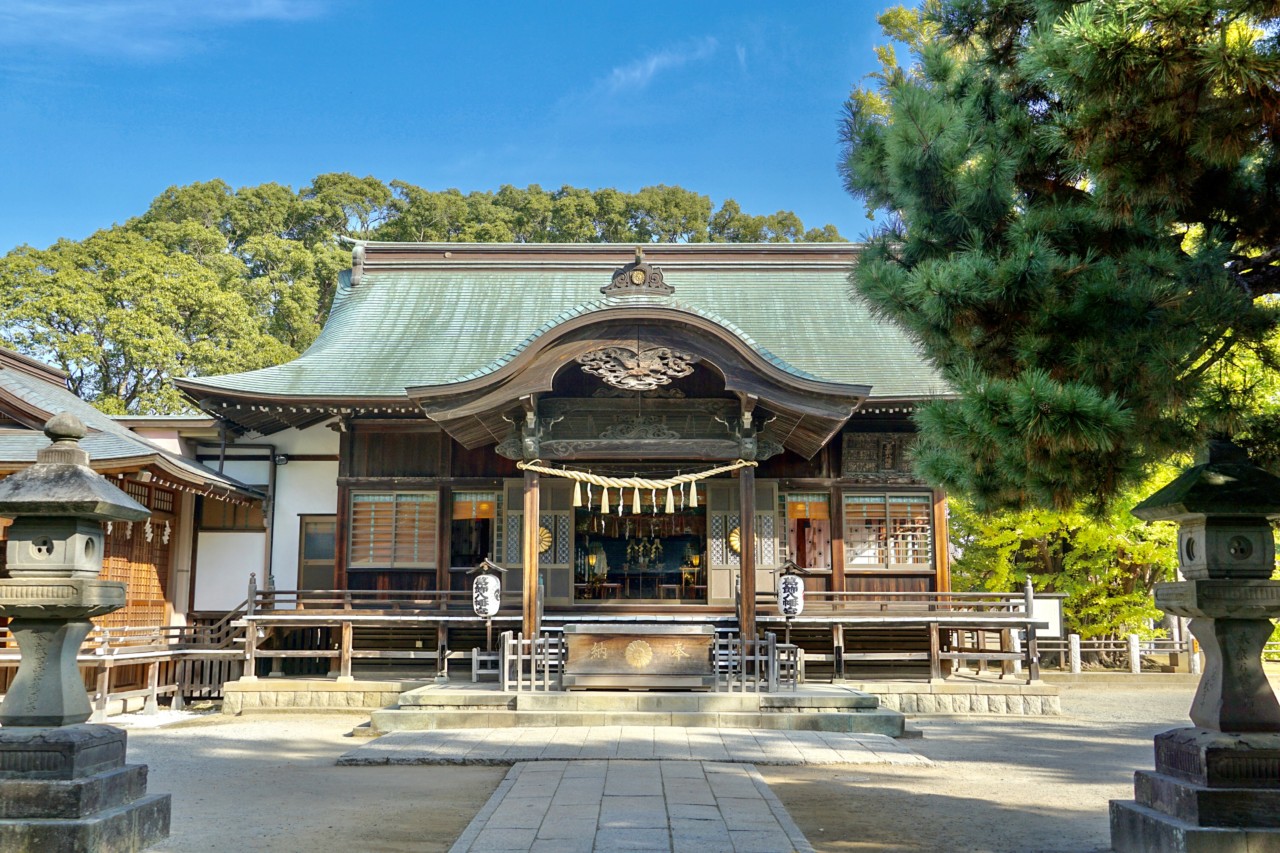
(665,214)
(341,203)
(122,316)
(1106,564)
(1081,227)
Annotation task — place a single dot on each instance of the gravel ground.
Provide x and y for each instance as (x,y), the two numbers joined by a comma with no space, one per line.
(998,784)
(270,784)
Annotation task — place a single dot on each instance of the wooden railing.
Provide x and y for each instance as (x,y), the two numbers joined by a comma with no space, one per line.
(1071,651)
(757,666)
(531,663)
(837,604)
(184,662)
(347,601)
(764,665)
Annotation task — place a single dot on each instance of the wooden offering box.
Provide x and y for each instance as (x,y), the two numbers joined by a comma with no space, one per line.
(637,656)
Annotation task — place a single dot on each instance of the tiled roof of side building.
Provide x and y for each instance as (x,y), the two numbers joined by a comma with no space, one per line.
(106,441)
(438,322)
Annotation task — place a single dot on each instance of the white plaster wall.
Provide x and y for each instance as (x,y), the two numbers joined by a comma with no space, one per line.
(302,488)
(252,473)
(223,563)
(166,438)
(312,440)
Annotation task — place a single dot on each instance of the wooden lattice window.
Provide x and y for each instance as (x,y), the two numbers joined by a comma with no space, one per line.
(138,554)
(883,531)
(393,530)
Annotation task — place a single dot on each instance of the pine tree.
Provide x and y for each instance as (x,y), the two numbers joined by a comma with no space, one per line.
(1081,205)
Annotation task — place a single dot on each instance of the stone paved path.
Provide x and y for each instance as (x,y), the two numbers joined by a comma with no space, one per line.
(633,805)
(511,745)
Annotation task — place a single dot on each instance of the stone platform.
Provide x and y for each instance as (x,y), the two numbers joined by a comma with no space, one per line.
(817,708)
(964,695)
(368,692)
(645,743)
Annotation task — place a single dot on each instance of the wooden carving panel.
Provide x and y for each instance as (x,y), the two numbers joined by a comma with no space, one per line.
(878,457)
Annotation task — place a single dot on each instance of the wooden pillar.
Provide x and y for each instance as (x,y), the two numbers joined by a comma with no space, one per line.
(250,671)
(529,554)
(941,543)
(341,534)
(935,648)
(836,511)
(344,652)
(747,551)
(444,547)
(342,512)
(153,689)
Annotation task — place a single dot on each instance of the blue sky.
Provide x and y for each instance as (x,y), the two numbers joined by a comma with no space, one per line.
(108,102)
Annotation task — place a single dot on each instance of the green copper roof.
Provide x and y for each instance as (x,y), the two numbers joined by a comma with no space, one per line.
(406,328)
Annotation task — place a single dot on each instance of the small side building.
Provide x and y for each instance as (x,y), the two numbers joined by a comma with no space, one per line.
(156,558)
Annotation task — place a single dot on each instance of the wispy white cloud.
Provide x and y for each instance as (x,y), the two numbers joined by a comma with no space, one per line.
(742,56)
(638,74)
(135,29)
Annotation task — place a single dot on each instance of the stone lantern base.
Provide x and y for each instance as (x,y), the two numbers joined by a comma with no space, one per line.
(1212,792)
(69,790)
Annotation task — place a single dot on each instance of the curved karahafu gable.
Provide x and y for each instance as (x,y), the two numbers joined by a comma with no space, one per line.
(805,411)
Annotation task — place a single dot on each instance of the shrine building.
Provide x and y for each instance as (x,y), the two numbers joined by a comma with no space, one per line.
(645,432)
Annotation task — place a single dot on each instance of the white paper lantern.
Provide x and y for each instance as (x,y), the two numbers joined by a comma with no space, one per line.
(791,595)
(486,595)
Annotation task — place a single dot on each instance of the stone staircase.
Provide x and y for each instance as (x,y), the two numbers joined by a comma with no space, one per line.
(811,708)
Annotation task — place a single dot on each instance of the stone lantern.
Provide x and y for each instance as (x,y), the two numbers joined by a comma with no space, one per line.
(64,784)
(1216,787)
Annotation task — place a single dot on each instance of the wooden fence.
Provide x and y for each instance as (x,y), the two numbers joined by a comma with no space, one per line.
(1071,651)
(119,664)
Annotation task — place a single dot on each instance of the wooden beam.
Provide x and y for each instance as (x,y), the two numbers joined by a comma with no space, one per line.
(529,554)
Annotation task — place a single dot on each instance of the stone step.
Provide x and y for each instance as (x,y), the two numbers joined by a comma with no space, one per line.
(866,721)
(429,698)
(72,799)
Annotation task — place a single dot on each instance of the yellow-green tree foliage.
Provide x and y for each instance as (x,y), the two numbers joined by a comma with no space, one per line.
(1106,565)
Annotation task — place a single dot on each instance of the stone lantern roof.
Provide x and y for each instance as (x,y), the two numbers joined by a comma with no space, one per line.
(1223,483)
(61,483)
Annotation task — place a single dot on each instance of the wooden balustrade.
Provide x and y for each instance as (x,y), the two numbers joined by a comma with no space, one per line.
(178,661)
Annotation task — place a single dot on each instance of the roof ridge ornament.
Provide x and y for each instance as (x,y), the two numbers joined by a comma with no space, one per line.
(357,263)
(638,278)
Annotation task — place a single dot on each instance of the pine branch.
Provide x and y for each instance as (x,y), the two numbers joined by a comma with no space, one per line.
(1259,281)
(1243,264)
(1225,343)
